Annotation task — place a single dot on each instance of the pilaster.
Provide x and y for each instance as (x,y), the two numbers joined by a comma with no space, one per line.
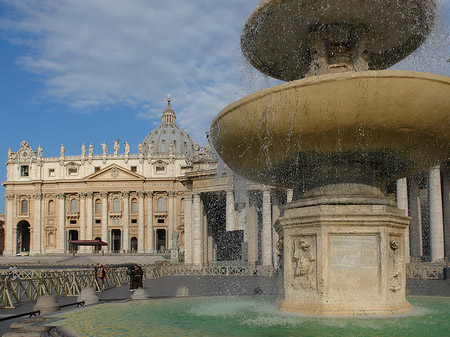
(37,223)
(126,222)
(105,237)
(9,237)
(61,242)
(89,218)
(150,237)
(141,241)
(170,218)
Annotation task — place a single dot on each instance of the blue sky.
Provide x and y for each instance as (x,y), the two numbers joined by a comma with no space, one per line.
(74,72)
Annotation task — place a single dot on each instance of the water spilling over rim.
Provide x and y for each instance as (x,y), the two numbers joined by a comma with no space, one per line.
(355,127)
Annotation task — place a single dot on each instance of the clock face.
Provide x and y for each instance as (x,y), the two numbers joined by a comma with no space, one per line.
(25,154)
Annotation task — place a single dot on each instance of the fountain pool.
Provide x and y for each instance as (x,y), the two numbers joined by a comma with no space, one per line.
(247,316)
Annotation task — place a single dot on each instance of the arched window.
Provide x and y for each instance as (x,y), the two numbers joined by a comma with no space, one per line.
(51,207)
(73,206)
(134,206)
(134,245)
(98,206)
(161,204)
(116,205)
(24,207)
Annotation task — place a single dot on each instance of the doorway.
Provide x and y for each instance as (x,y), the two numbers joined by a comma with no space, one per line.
(160,239)
(116,239)
(73,235)
(23,237)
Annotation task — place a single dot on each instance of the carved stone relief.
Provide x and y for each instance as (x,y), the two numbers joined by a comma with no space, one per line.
(304,263)
(396,264)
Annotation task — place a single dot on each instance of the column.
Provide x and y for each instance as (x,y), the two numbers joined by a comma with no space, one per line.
(150,237)
(82,198)
(196,231)
(188,229)
(230,217)
(289,195)
(415,228)
(89,219)
(275,215)
(61,243)
(125,222)
(266,232)
(436,219)
(402,203)
(141,241)
(105,237)
(9,237)
(37,223)
(170,218)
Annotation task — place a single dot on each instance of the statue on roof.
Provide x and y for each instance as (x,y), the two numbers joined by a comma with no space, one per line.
(126,148)
(83,150)
(62,150)
(116,147)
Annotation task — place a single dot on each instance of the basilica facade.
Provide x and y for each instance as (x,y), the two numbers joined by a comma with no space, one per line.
(174,196)
(167,196)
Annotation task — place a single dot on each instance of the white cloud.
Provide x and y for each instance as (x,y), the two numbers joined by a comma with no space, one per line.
(106,52)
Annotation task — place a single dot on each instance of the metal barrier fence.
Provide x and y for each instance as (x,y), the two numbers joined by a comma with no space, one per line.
(426,270)
(28,285)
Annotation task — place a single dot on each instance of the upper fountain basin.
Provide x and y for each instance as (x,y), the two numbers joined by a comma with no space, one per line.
(355,127)
(280,40)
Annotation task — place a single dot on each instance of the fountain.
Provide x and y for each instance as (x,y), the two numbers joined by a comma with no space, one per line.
(339,131)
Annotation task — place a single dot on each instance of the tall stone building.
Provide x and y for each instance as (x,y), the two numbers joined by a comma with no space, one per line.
(167,196)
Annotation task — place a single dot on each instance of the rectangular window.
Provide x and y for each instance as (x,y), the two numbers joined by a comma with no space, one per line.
(160,169)
(133,168)
(51,172)
(73,222)
(24,170)
(161,221)
(133,221)
(73,171)
(97,168)
(98,221)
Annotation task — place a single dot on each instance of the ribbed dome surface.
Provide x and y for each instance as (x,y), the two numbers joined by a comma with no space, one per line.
(167,133)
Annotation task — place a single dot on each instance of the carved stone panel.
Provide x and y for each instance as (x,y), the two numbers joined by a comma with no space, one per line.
(304,264)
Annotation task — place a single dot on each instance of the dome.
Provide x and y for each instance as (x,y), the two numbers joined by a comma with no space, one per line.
(168,134)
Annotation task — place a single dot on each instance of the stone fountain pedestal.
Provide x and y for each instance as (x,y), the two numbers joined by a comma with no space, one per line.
(344,248)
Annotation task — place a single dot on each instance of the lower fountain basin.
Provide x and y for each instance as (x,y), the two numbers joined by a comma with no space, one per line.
(356,127)
(246,316)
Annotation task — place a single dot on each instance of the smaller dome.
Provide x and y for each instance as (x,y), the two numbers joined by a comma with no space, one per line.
(168,136)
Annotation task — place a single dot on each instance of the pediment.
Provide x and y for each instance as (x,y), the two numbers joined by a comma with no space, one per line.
(115,172)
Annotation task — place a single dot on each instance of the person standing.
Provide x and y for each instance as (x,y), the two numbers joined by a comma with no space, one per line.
(130,273)
(137,277)
(101,276)
(96,273)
